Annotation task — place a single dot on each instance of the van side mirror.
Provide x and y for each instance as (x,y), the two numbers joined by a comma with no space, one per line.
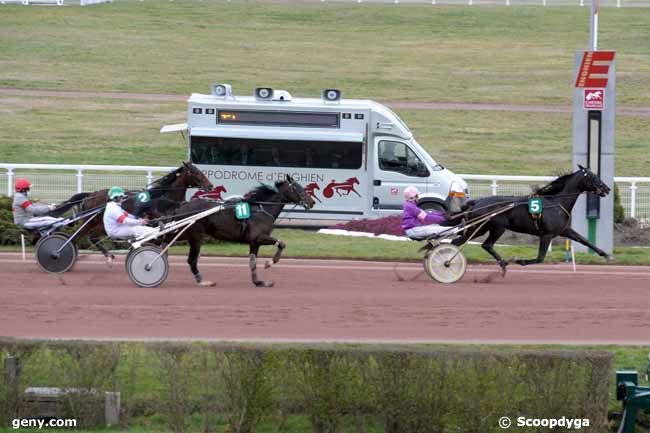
(422,170)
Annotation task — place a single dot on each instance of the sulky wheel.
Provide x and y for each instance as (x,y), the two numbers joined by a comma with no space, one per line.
(446,263)
(146,267)
(50,255)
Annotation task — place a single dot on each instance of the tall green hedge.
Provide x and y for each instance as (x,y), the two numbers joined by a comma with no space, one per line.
(402,388)
(9,233)
(619,211)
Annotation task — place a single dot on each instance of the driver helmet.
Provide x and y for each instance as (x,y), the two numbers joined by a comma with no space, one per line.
(411,193)
(22,184)
(116,193)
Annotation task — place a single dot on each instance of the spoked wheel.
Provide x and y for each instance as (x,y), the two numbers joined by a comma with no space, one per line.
(146,267)
(446,263)
(51,257)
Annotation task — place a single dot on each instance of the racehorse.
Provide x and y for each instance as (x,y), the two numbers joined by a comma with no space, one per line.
(558,199)
(265,203)
(164,194)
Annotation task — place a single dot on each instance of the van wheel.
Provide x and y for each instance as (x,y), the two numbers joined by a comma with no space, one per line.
(432,205)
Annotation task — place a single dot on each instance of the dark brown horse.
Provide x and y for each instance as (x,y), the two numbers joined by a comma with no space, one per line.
(164,194)
(265,203)
(558,199)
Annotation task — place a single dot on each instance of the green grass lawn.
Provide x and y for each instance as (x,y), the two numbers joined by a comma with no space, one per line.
(104,131)
(379,51)
(383,51)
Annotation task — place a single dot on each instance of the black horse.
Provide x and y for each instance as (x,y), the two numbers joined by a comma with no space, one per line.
(165,194)
(558,199)
(265,202)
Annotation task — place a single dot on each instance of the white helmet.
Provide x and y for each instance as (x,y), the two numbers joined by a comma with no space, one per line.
(410,192)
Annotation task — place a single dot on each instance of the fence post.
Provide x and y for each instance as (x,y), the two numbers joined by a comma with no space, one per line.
(633,189)
(11,377)
(494,185)
(80,175)
(10,181)
(149,178)
(112,408)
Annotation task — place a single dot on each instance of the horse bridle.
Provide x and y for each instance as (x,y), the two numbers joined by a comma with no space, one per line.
(292,185)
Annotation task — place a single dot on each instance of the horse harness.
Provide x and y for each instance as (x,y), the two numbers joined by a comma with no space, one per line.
(537,217)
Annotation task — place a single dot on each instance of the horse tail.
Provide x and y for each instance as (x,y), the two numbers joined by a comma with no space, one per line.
(75,200)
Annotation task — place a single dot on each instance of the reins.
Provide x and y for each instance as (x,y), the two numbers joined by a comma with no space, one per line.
(226,206)
(518,201)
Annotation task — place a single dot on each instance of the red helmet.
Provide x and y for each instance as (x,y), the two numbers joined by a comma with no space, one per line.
(22,184)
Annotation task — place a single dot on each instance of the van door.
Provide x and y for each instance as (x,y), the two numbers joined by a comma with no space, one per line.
(396,166)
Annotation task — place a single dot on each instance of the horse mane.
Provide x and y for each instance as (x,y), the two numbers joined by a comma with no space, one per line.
(555,186)
(262,192)
(166,180)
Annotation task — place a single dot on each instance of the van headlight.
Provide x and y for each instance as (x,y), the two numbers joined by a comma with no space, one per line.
(455,190)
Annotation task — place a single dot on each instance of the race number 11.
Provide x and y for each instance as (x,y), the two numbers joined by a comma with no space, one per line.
(242,211)
(535,206)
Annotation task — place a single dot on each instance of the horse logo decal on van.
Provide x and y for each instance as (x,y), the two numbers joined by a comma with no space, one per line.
(213,194)
(341,188)
(310,190)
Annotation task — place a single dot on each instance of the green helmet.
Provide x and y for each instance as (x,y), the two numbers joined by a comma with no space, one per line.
(115,192)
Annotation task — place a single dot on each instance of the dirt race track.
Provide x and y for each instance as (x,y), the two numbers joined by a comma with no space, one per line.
(318,300)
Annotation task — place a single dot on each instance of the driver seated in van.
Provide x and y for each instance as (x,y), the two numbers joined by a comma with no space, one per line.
(418,223)
(387,158)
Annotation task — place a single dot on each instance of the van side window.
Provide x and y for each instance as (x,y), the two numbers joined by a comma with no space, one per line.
(396,156)
(275,153)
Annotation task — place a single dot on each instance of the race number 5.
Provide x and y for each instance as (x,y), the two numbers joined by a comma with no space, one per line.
(242,211)
(535,206)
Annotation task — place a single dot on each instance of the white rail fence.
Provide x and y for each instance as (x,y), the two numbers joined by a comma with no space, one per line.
(583,3)
(54,2)
(58,182)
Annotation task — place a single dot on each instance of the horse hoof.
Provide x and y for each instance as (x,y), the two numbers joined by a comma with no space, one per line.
(267,264)
(109,262)
(610,258)
(207,284)
(264,284)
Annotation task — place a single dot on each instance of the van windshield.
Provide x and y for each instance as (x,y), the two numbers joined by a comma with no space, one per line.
(278,153)
(432,163)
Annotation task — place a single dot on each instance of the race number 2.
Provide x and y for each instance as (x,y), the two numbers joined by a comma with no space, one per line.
(143,197)
(535,206)
(242,211)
